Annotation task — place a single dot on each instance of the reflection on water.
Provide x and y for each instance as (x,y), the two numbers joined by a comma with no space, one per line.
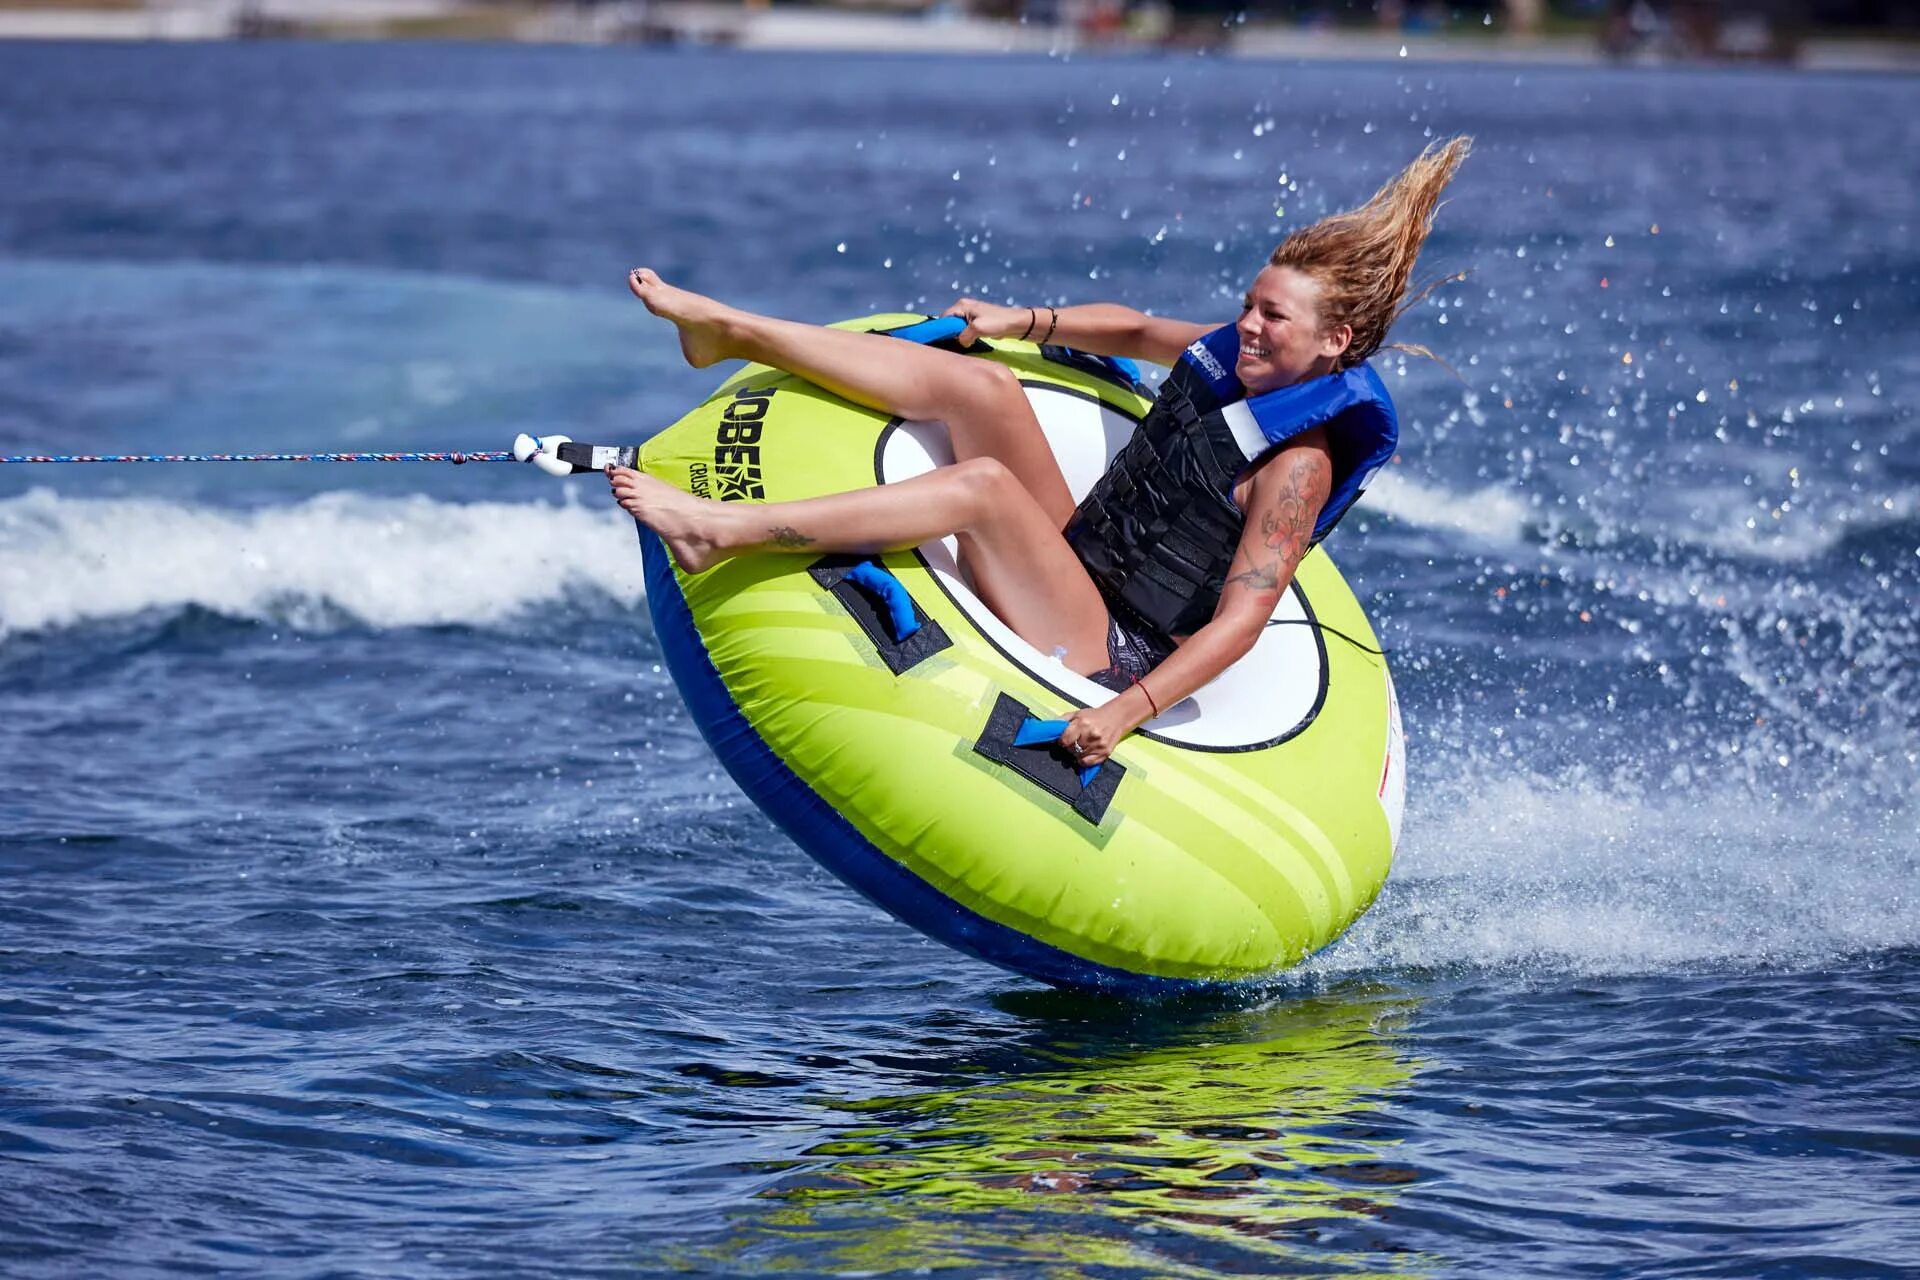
(1109,1139)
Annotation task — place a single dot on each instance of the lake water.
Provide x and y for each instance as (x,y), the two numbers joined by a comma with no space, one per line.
(370,907)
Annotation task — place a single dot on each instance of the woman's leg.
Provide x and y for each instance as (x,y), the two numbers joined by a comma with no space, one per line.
(986,412)
(1024,570)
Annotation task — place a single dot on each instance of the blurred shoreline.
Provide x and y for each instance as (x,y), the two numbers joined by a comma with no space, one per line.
(806,28)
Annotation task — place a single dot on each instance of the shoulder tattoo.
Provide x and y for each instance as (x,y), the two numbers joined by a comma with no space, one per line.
(1287,520)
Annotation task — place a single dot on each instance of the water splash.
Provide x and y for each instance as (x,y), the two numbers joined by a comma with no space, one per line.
(1585,874)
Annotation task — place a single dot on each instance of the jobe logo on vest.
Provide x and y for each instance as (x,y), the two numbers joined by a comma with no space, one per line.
(736,451)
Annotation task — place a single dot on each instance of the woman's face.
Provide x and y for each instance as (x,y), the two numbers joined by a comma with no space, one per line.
(1281,342)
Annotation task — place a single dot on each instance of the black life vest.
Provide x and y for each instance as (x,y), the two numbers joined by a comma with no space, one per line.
(1158,531)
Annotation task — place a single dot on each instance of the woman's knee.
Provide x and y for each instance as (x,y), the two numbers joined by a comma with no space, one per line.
(985,386)
(999,381)
(989,485)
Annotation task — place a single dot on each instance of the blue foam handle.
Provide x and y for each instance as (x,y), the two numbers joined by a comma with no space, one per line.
(1035,732)
(925,332)
(898,601)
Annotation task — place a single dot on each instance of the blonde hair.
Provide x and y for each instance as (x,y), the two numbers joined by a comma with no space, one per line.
(1363,258)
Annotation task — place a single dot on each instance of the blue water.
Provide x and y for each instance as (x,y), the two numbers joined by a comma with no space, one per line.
(369,906)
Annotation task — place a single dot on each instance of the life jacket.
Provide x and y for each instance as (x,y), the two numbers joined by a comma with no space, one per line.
(1158,531)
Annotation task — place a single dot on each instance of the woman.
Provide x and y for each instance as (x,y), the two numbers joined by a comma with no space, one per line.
(1089,581)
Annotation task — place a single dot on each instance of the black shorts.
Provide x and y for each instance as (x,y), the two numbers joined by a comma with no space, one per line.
(1132,651)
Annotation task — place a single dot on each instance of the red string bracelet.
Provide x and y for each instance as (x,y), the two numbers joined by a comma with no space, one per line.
(1141,685)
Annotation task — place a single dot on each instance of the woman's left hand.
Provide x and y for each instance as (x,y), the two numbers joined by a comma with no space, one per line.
(1094,732)
(985,320)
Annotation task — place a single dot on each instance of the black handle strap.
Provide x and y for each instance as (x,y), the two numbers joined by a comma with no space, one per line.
(1017,738)
(902,633)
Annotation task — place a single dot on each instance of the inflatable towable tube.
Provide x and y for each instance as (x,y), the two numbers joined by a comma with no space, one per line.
(906,739)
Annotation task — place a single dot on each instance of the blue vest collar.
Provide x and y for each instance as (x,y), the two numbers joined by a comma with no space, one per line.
(1353,405)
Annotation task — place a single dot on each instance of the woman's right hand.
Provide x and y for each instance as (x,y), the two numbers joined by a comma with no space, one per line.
(985,320)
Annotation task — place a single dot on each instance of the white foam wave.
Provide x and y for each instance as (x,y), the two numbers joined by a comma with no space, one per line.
(1725,521)
(386,562)
(1783,537)
(1494,513)
(1582,875)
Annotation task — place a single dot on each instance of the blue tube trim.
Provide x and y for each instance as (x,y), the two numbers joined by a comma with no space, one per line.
(836,843)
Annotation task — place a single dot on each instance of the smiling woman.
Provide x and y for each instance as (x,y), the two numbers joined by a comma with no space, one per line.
(1262,436)
(1282,339)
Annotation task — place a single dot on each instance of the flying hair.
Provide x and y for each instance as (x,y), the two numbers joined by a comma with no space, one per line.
(1362,259)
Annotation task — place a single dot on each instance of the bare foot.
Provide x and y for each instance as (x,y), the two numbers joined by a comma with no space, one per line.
(702,321)
(679,518)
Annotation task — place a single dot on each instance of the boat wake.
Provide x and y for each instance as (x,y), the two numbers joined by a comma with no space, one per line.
(331,560)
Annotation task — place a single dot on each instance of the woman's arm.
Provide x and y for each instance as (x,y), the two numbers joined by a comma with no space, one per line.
(1283,505)
(1104,328)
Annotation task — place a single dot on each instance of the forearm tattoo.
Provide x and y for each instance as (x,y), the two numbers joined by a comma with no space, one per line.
(1286,525)
(788,538)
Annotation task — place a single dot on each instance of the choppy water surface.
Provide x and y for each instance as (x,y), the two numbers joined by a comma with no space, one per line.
(372,908)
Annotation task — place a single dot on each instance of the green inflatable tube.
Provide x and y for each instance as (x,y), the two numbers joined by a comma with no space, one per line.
(881,715)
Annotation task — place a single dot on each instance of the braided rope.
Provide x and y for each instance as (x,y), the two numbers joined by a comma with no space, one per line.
(455,458)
